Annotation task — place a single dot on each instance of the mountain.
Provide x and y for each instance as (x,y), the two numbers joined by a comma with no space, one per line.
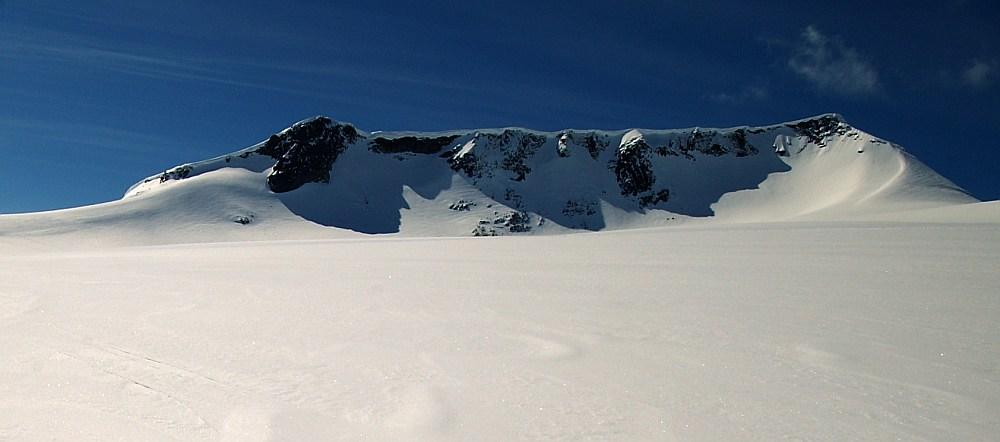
(238,299)
(322,173)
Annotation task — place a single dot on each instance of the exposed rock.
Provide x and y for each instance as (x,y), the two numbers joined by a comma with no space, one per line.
(562,147)
(666,151)
(462,206)
(467,163)
(818,129)
(595,144)
(653,199)
(421,145)
(515,221)
(484,230)
(508,150)
(633,169)
(701,141)
(243,219)
(177,173)
(517,146)
(741,146)
(305,152)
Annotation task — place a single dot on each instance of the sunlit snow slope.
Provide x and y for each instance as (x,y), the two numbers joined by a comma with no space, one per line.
(325,178)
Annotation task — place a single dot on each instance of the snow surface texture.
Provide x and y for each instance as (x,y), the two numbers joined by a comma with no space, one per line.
(868,331)
(841,291)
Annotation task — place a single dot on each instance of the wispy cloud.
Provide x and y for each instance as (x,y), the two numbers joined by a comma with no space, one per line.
(155,63)
(83,134)
(980,73)
(832,66)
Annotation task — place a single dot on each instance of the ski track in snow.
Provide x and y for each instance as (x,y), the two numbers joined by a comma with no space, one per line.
(865,331)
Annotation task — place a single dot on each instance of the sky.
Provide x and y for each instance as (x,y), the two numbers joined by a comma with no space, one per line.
(96,95)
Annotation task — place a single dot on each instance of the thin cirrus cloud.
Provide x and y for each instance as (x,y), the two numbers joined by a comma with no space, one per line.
(980,73)
(230,72)
(76,135)
(832,66)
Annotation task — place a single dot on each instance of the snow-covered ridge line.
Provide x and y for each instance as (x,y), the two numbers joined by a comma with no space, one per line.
(416,138)
(515,180)
(496,130)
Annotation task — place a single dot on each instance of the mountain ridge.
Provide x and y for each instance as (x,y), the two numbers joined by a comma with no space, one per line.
(320,177)
(684,172)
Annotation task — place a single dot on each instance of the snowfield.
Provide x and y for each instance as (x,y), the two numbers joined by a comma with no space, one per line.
(848,293)
(863,331)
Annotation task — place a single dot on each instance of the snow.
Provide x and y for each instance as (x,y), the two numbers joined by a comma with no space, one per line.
(821,331)
(854,177)
(843,291)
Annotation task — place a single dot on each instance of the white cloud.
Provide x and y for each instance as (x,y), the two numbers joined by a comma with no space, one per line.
(832,66)
(980,73)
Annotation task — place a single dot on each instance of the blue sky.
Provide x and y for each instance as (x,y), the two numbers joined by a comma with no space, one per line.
(96,95)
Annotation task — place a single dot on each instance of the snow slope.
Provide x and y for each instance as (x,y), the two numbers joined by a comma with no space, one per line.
(804,331)
(206,208)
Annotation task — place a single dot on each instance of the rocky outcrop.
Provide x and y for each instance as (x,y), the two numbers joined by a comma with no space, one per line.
(305,152)
(632,168)
(654,198)
(508,151)
(177,173)
(741,146)
(517,147)
(818,129)
(592,142)
(708,142)
(421,145)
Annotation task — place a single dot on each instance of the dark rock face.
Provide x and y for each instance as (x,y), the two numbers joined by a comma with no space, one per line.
(513,147)
(305,152)
(818,129)
(740,144)
(467,163)
(593,142)
(633,169)
(517,146)
(710,143)
(177,173)
(704,142)
(654,198)
(421,145)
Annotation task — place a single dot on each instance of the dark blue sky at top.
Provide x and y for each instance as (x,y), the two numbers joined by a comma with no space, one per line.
(96,95)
